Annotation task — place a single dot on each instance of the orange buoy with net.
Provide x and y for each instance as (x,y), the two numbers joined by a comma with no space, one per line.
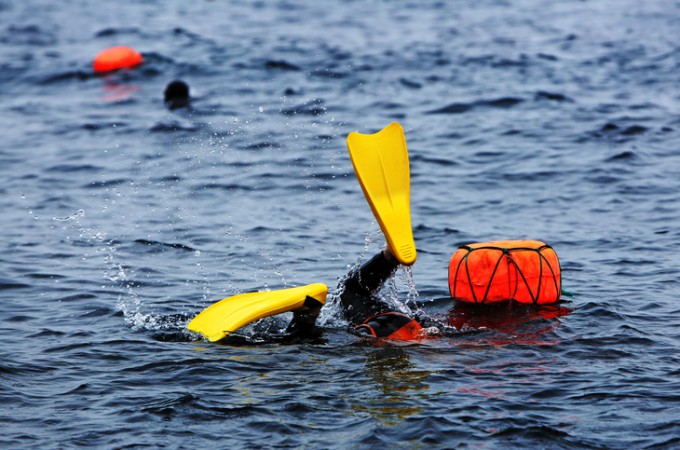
(114,58)
(488,272)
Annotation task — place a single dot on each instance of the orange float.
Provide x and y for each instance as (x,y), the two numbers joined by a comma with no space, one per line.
(114,58)
(523,271)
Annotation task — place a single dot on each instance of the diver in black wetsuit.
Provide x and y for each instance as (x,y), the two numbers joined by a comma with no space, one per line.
(365,311)
(368,314)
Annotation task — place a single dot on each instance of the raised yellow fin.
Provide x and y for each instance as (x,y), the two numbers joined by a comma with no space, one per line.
(226,316)
(381,164)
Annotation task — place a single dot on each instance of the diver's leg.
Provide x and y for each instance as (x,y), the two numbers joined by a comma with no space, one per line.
(304,319)
(357,293)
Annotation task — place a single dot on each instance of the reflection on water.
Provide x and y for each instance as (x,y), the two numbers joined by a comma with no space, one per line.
(116,92)
(510,322)
(400,388)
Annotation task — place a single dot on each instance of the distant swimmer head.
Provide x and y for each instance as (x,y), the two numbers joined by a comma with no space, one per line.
(176,94)
(114,58)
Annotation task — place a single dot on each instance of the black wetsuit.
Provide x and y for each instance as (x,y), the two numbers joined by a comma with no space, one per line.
(358,291)
(364,310)
(368,313)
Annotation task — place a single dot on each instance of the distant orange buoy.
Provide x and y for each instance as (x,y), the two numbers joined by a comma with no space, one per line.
(488,272)
(114,58)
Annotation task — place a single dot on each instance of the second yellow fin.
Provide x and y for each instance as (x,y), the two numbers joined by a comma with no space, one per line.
(228,315)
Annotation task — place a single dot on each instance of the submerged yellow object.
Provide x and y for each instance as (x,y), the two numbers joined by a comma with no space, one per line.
(381,164)
(228,315)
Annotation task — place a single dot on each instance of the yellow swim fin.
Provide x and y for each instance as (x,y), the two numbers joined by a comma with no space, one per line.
(226,316)
(381,164)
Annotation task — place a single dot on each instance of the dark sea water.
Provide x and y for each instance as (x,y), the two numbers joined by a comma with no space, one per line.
(557,121)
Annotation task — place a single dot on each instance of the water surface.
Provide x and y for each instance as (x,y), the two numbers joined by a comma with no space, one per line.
(122,220)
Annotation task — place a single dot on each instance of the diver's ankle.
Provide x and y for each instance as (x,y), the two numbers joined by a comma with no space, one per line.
(389,256)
